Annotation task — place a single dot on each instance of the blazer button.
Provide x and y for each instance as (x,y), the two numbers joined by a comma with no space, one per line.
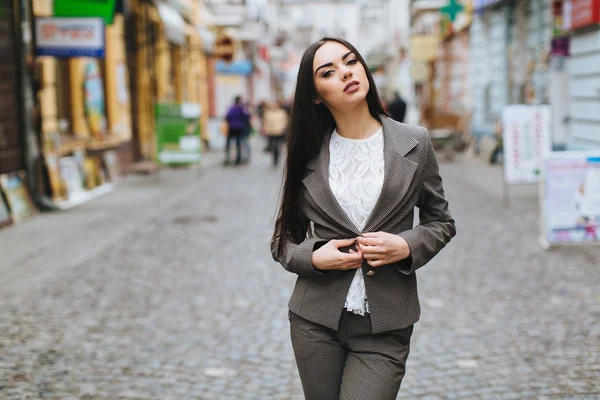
(371,272)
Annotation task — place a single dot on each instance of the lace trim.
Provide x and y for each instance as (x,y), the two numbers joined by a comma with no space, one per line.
(356,171)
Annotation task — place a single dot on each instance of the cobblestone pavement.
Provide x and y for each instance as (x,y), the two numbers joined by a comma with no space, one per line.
(189,305)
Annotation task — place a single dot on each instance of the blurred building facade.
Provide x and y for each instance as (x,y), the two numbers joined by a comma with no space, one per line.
(472,58)
(72,120)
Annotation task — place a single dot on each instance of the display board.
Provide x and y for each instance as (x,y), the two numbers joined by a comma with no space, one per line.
(526,139)
(178,133)
(570,198)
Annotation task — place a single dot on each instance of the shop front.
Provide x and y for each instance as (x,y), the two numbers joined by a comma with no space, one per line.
(83,111)
(170,70)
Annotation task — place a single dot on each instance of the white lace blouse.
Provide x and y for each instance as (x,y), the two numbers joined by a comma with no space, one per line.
(356,177)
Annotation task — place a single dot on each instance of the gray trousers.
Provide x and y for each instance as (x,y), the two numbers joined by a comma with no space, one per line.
(350,363)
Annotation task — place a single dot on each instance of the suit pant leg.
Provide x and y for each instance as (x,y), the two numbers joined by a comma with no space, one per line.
(375,364)
(320,359)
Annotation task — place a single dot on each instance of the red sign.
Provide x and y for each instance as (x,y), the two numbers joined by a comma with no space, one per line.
(584,13)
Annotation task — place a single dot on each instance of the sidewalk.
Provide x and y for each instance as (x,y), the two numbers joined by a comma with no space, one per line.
(58,239)
(489,180)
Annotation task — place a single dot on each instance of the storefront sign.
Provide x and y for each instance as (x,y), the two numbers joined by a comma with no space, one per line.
(178,133)
(104,9)
(571,199)
(70,37)
(526,139)
(584,13)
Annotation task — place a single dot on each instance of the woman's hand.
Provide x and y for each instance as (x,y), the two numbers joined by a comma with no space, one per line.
(381,248)
(329,257)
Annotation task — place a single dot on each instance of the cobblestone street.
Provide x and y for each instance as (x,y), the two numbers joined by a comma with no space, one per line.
(177,297)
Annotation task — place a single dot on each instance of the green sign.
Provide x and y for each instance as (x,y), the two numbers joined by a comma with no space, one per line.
(178,133)
(104,9)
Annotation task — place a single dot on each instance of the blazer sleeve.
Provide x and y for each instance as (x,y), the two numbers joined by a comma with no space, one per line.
(436,226)
(297,257)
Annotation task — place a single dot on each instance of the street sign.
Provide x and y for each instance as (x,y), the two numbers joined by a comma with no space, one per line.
(225,48)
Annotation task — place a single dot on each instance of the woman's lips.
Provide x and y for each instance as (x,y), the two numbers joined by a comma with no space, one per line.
(352,86)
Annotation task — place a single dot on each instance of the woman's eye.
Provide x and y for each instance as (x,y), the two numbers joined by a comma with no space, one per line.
(352,62)
(327,74)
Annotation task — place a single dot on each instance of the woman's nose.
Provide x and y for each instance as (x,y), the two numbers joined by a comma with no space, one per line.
(346,74)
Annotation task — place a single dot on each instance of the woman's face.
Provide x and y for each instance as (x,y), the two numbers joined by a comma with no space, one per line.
(340,78)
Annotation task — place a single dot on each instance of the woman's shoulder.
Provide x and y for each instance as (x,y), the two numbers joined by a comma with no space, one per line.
(407,136)
(416,131)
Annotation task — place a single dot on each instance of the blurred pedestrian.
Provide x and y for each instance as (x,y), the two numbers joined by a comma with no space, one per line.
(260,112)
(397,108)
(237,120)
(275,124)
(245,140)
(348,233)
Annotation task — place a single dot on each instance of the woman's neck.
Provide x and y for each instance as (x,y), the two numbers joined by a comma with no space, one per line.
(356,123)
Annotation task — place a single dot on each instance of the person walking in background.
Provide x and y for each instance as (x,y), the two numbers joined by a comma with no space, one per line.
(353,178)
(260,112)
(245,140)
(397,108)
(275,121)
(237,120)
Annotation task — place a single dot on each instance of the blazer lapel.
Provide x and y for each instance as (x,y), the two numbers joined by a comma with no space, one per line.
(398,172)
(317,186)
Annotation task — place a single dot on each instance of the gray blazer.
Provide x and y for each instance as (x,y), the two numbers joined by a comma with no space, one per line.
(411,179)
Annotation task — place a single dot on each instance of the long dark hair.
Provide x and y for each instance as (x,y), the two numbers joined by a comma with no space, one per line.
(309,124)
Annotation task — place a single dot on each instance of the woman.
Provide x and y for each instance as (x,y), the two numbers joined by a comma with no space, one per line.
(275,122)
(345,227)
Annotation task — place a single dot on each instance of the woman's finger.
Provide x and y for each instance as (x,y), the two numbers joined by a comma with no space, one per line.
(370,249)
(370,234)
(375,263)
(367,241)
(372,256)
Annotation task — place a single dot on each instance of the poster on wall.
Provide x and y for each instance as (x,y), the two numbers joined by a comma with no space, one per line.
(571,198)
(94,99)
(19,201)
(121,81)
(526,139)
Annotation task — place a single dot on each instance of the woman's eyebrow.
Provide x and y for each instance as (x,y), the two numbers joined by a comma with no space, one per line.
(330,64)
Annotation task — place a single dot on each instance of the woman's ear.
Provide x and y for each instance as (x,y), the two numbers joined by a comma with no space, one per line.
(317,101)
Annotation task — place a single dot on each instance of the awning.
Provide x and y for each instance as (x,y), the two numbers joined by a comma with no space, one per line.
(173,23)
(208,39)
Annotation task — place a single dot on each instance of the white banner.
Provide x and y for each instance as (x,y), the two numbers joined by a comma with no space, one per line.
(571,199)
(526,139)
(69,37)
